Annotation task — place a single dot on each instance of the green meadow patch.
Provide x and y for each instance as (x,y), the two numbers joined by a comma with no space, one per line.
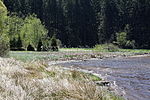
(30,56)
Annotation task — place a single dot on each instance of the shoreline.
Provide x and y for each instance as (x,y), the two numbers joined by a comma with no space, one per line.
(113,87)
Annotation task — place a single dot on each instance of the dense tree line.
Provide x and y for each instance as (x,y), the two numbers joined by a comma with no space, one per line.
(90,22)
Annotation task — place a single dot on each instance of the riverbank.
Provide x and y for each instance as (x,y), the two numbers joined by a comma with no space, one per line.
(74,54)
(56,58)
(40,81)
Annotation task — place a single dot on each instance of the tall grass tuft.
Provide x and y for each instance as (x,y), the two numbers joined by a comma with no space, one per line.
(38,81)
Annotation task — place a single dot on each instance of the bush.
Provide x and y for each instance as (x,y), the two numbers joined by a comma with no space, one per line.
(106,48)
(30,48)
(4,45)
(4,40)
(46,44)
(122,39)
(51,44)
(59,43)
(54,44)
(130,44)
(123,42)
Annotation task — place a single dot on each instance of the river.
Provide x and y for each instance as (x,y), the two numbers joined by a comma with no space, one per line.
(131,75)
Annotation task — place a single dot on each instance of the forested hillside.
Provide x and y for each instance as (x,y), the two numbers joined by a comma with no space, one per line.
(89,22)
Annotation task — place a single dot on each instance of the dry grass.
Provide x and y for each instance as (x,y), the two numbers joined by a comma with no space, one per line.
(37,81)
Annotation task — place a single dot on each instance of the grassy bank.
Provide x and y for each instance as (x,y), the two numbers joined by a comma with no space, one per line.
(39,81)
(63,54)
(76,54)
(135,51)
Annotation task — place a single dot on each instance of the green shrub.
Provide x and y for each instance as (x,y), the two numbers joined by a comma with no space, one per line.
(59,43)
(106,48)
(130,44)
(122,39)
(54,44)
(4,40)
(123,42)
(51,44)
(4,45)
(46,44)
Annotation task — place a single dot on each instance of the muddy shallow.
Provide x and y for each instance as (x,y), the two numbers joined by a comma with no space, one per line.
(131,75)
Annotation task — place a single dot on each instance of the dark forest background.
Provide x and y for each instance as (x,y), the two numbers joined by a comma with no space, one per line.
(86,23)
